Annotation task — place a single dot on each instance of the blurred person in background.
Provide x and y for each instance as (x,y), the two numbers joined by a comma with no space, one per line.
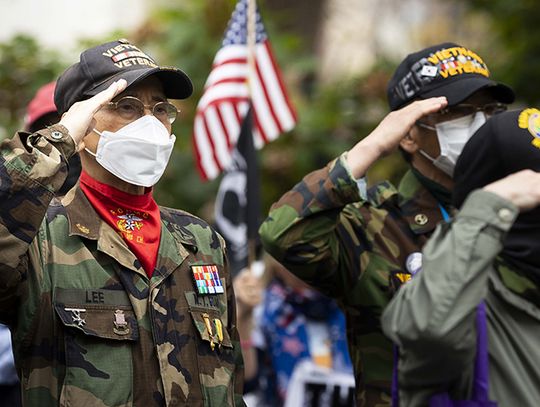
(295,338)
(40,113)
(357,245)
(10,387)
(467,323)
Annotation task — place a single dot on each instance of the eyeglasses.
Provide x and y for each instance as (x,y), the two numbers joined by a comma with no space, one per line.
(465,109)
(131,108)
(460,110)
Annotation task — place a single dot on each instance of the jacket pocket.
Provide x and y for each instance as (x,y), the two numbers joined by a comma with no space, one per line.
(100,330)
(215,357)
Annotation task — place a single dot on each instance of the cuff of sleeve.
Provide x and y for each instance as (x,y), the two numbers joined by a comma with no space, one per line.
(58,135)
(349,188)
(490,208)
(361,182)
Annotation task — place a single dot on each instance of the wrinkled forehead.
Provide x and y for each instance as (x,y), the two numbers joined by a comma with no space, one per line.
(148,88)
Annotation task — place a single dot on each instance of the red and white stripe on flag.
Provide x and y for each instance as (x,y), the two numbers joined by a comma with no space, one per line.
(227,93)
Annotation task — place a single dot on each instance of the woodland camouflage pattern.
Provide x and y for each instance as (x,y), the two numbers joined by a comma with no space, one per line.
(355,251)
(89,328)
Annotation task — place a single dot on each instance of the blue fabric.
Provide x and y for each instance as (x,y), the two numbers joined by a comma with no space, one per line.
(480,390)
(444,213)
(8,374)
(286,313)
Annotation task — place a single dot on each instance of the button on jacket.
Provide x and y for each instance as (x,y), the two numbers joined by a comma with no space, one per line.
(355,251)
(89,327)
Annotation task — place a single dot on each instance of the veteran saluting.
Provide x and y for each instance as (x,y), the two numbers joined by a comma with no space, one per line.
(112,300)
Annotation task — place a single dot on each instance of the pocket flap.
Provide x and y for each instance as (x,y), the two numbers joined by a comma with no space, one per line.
(208,322)
(105,314)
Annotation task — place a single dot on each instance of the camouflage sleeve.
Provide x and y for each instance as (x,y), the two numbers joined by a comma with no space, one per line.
(32,168)
(309,231)
(432,317)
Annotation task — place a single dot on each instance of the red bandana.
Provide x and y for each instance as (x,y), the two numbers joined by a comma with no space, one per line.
(135,217)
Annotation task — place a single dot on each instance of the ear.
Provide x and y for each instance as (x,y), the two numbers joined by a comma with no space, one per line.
(408,143)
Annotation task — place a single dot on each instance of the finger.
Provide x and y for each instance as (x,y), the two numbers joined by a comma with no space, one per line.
(420,108)
(105,96)
(81,146)
(433,105)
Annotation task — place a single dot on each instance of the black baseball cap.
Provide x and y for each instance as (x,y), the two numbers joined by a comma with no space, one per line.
(446,69)
(100,66)
(508,142)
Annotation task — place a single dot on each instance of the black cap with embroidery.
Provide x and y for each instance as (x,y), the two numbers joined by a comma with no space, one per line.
(446,69)
(508,142)
(100,66)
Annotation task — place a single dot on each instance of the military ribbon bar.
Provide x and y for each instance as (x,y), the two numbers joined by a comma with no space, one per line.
(207,280)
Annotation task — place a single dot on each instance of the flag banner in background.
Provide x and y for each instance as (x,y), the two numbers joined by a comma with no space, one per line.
(237,207)
(230,88)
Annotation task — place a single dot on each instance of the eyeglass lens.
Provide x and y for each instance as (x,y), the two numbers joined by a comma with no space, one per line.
(131,108)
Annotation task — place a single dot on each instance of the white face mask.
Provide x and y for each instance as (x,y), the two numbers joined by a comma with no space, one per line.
(138,153)
(452,136)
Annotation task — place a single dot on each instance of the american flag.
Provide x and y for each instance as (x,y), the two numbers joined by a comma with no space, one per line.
(230,88)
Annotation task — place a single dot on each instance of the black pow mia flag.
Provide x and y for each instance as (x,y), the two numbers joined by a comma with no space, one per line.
(238,199)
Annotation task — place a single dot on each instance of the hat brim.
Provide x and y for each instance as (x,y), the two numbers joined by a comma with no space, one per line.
(459,90)
(176,84)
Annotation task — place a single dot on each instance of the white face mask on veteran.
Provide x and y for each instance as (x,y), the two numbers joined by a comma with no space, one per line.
(452,136)
(138,153)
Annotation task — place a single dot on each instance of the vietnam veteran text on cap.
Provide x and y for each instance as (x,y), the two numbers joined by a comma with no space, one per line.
(446,69)
(102,65)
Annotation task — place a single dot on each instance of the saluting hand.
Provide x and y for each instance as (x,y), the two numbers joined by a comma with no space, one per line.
(79,118)
(390,131)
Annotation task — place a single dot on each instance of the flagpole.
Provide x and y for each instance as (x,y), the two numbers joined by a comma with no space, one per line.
(251,41)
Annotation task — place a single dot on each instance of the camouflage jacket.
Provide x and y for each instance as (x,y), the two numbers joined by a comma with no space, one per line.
(89,327)
(433,317)
(355,251)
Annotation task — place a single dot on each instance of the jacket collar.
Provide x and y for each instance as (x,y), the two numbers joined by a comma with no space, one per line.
(82,218)
(84,221)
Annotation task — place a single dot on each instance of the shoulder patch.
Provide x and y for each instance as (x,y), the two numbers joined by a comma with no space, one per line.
(530,119)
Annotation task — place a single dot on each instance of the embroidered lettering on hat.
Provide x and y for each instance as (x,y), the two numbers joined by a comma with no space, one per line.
(439,71)
(126,55)
(101,65)
(129,54)
(444,63)
(206,279)
(530,119)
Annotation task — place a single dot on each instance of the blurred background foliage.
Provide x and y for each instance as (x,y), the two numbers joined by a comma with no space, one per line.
(331,117)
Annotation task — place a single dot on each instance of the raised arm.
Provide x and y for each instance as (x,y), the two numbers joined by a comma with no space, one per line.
(309,229)
(32,168)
